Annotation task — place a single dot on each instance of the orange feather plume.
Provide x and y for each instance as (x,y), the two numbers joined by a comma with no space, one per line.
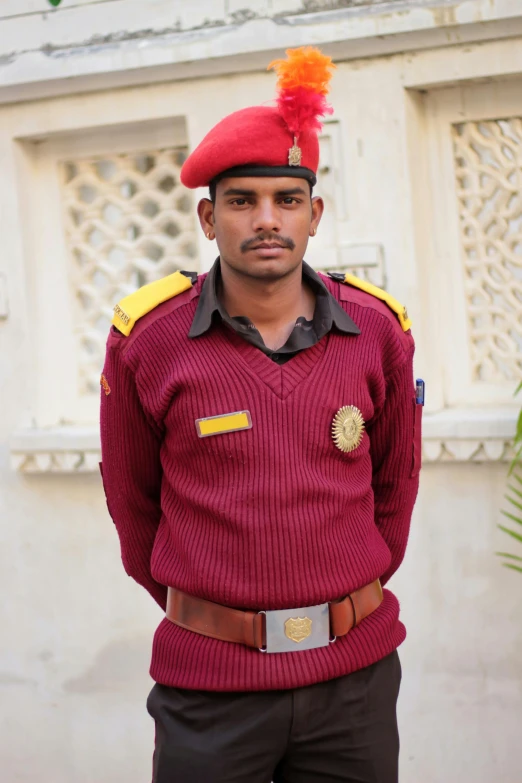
(302,85)
(305,67)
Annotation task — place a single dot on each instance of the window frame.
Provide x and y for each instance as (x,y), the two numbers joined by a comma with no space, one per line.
(56,399)
(446,289)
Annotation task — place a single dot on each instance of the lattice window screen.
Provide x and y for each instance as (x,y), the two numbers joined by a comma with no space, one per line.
(128,221)
(488,161)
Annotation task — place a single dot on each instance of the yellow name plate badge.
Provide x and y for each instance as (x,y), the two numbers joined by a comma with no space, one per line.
(228,422)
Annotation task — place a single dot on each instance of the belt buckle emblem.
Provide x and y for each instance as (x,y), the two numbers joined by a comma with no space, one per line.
(298,628)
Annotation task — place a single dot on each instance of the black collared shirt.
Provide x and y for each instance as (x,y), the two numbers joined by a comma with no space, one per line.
(328,313)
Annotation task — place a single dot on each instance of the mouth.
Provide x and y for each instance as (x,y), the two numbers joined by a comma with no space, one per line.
(267,246)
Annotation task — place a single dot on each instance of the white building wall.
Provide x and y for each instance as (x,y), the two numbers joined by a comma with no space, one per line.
(77,631)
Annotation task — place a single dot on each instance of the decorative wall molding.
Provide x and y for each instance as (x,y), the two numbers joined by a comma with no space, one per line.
(449,436)
(56,461)
(469,435)
(491,450)
(66,449)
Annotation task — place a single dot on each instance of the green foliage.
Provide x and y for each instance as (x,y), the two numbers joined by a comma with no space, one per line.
(514,498)
(54,2)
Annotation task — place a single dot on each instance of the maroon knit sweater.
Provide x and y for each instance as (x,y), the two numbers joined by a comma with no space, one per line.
(268,518)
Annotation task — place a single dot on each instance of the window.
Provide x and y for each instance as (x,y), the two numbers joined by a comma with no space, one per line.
(128,221)
(488,173)
(107,214)
(473,244)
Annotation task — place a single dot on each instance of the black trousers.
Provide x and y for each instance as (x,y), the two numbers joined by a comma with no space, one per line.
(340,730)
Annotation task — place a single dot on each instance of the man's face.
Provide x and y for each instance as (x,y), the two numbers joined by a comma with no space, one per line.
(261,224)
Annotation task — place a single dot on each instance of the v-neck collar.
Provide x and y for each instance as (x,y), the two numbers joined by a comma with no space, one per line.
(282,379)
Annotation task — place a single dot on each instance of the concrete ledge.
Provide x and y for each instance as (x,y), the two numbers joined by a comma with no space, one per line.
(67,449)
(469,435)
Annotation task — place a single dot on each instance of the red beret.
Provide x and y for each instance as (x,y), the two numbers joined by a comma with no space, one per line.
(269,140)
(257,137)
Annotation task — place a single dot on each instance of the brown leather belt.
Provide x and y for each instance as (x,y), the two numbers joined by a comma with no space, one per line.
(250,628)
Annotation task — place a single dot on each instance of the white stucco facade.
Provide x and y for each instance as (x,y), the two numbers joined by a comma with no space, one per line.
(421,173)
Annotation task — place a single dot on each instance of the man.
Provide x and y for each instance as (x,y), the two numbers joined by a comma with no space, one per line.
(260,436)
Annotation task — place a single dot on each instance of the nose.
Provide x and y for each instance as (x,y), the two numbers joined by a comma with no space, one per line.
(266,217)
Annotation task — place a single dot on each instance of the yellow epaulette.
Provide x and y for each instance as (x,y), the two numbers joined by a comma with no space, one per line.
(145,299)
(384,296)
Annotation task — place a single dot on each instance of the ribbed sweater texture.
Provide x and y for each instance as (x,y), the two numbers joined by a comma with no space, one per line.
(267,518)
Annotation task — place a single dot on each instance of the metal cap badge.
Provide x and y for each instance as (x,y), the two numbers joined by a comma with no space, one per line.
(294,154)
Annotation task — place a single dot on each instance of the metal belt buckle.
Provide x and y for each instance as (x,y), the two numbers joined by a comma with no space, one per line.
(290,630)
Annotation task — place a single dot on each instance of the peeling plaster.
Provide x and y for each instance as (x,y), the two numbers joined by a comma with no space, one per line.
(170,39)
(122,36)
(326,6)
(113,40)
(244,15)
(311,6)
(384,9)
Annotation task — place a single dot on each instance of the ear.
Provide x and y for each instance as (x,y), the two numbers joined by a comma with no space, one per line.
(317,213)
(206,217)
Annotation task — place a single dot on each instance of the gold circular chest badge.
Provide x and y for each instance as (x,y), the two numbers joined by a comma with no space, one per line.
(348,428)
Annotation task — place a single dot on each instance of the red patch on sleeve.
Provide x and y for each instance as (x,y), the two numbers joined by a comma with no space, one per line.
(105,385)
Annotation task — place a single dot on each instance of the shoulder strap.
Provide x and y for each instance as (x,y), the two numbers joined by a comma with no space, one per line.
(145,299)
(384,296)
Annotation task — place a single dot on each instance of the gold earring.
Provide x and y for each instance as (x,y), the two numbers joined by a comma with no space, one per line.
(314,231)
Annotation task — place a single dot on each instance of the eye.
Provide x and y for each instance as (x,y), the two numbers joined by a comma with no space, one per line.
(239,202)
(289,200)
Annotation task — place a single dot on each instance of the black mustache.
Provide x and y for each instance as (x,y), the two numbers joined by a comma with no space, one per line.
(247,244)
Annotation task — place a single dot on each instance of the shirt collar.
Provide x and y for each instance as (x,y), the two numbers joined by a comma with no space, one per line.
(208,303)
(328,312)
